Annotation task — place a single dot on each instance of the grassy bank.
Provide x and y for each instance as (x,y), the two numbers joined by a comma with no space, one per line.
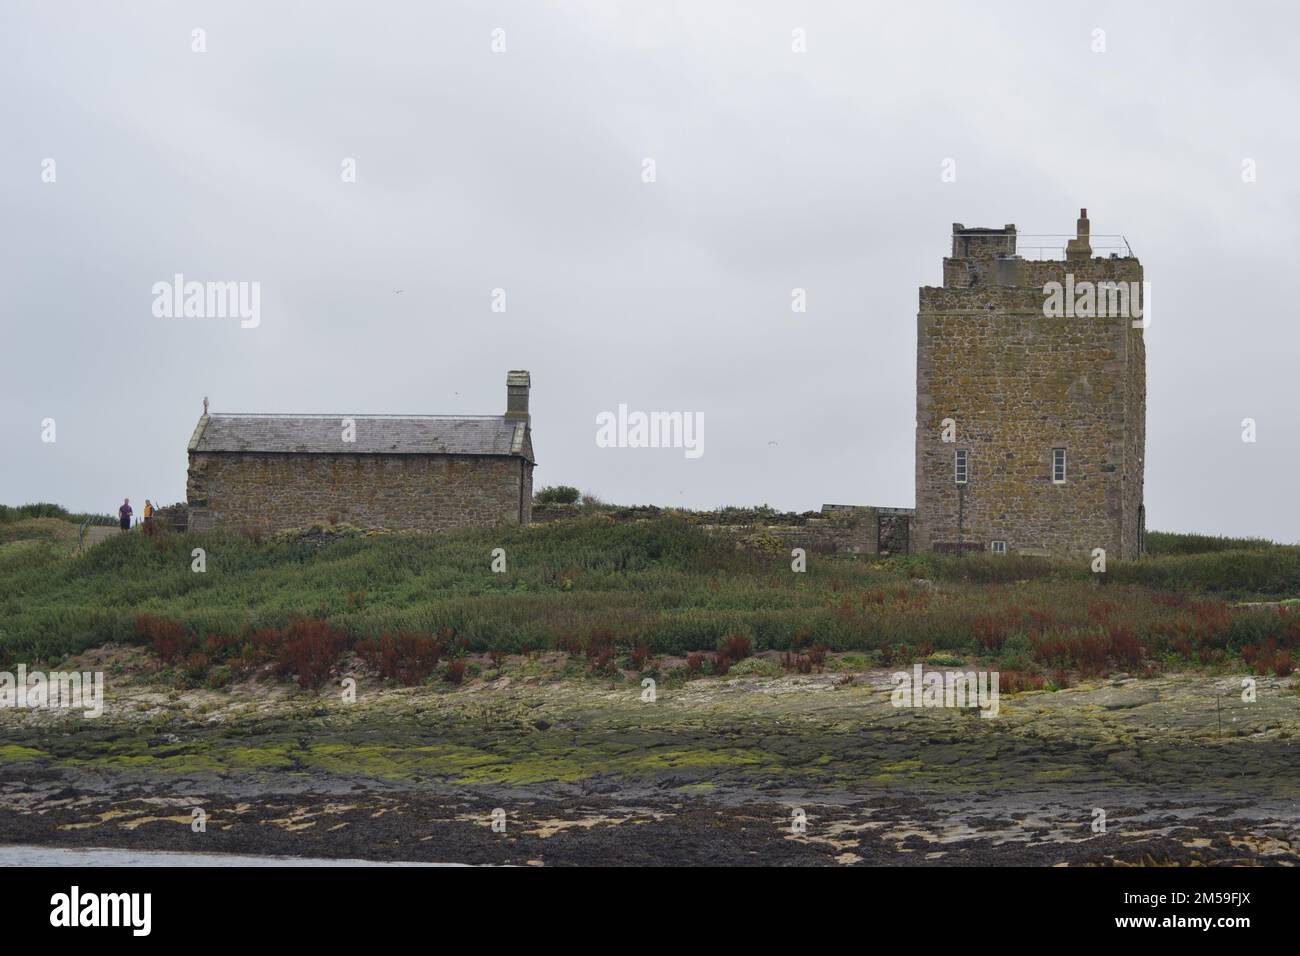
(663,586)
(10,514)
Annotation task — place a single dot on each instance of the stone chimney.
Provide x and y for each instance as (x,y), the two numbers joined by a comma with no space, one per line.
(518,383)
(983,243)
(1079,247)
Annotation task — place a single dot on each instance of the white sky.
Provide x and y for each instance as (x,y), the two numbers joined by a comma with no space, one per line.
(522,170)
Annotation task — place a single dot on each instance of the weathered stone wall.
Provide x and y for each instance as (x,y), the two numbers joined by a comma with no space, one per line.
(270,492)
(833,530)
(527,466)
(173,517)
(527,493)
(845,532)
(1029,274)
(1133,472)
(1018,384)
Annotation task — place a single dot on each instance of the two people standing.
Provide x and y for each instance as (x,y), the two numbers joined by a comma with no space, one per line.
(124,513)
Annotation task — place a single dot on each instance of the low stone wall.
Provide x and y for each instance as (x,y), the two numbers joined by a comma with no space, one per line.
(173,517)
(836,529)
(839,532)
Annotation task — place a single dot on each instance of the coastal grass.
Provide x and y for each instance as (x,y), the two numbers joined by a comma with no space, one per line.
(648,587)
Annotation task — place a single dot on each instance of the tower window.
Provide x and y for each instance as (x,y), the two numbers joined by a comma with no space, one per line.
(960,466)
(998,547)
(1058,466)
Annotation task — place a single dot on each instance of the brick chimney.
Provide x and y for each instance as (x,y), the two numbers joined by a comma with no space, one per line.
(518,382)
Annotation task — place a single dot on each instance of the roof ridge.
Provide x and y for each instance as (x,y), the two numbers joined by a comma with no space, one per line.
(381,434)
(333,415)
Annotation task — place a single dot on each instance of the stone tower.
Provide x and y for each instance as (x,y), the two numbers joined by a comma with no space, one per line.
(1031,400)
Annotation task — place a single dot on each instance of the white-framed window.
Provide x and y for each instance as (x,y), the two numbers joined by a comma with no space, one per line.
(1058,466)
(998,547)
(960,466)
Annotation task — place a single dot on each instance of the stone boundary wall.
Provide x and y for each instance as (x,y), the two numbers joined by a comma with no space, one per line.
(836,529)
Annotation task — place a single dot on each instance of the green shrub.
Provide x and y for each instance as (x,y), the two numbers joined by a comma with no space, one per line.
(558,495)
(1017,653)
(757,667)
(1160,543)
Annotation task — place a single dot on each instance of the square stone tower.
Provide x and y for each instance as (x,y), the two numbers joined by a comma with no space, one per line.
(1031,400)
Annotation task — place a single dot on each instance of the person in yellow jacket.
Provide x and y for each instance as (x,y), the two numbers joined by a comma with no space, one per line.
(148,511)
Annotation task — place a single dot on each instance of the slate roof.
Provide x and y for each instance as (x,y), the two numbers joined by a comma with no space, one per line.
(375,435)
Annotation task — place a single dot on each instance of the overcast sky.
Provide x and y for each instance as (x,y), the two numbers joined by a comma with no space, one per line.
(523,170)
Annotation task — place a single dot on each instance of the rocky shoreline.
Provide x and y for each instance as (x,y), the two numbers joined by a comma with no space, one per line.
(535,769)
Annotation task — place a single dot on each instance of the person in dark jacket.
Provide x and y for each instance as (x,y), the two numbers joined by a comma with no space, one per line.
(124,514)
